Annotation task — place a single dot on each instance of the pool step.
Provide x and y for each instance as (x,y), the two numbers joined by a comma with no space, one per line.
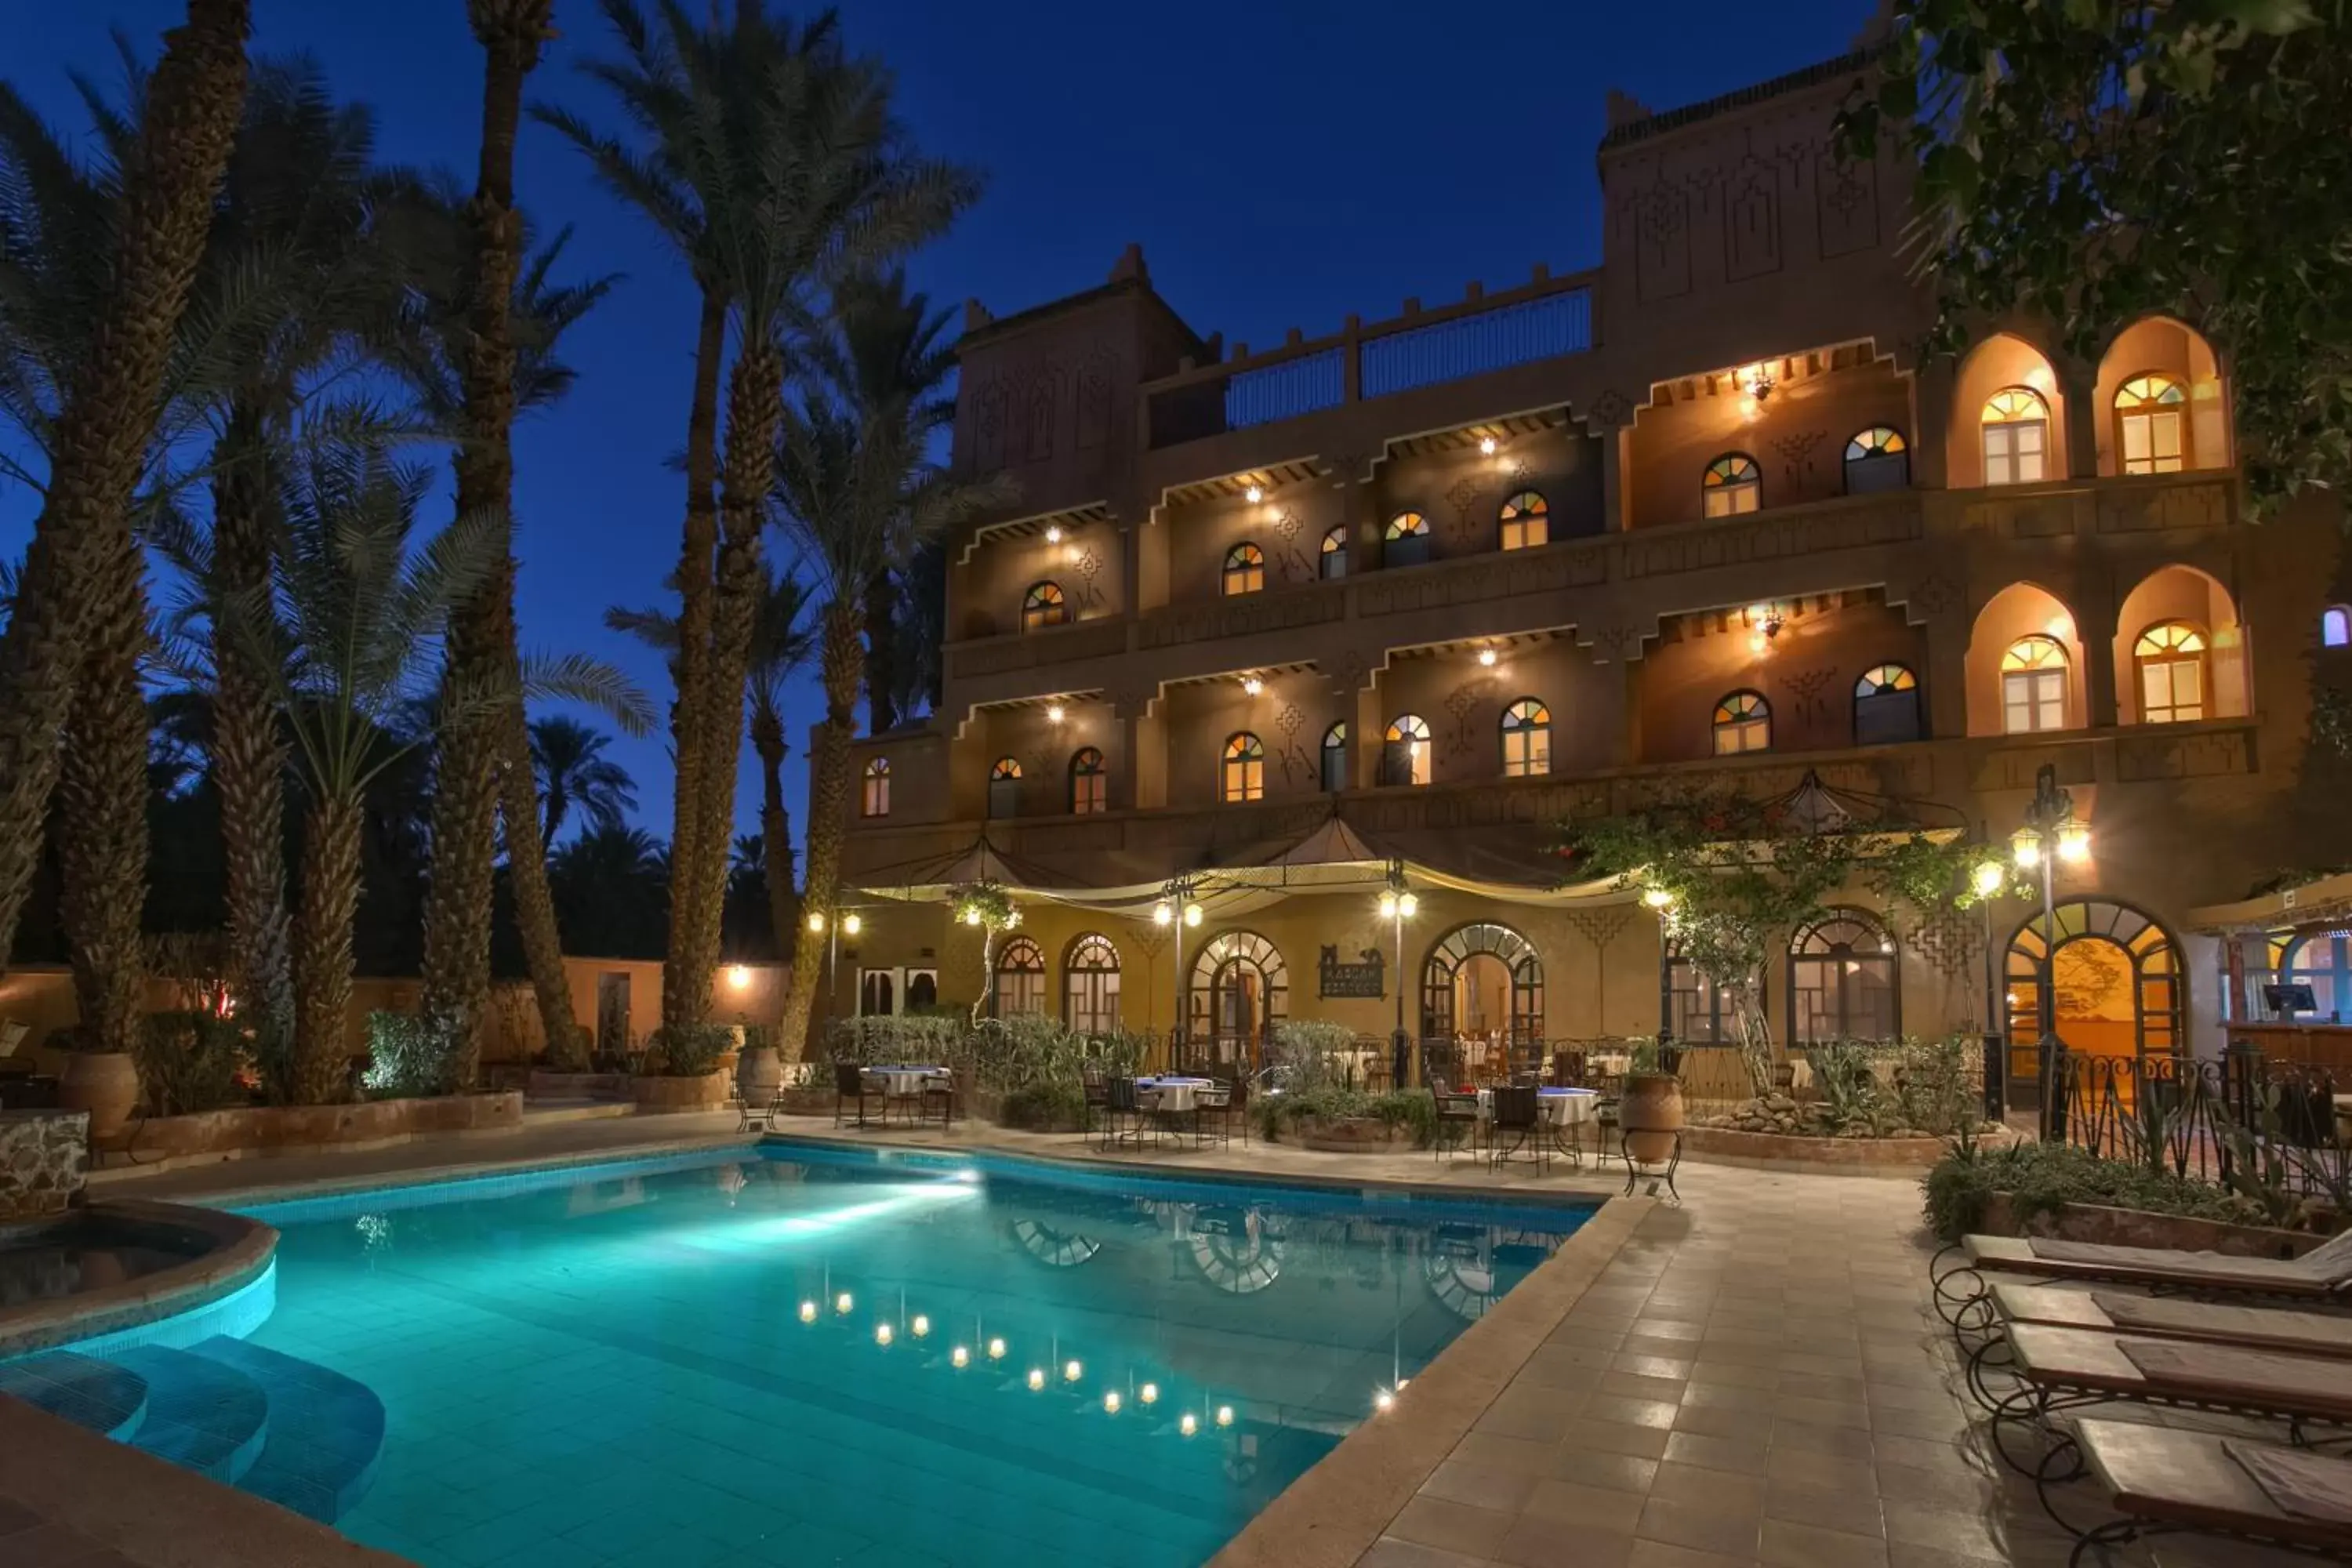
(106,1398)
(202,1414)
(325,1431)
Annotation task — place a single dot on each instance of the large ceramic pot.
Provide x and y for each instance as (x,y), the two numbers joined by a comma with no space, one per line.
(105,1084)
(757,1074)
(1650,1114)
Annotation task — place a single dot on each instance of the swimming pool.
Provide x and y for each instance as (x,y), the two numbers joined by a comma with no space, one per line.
(814,1354)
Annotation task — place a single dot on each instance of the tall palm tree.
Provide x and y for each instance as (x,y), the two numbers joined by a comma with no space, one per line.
(774,165)
(80,605)
(859,491)
(568,759)
(612,885)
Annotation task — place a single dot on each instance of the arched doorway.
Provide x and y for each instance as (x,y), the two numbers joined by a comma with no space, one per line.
(1241,989)
(2116,986)
(1484,985)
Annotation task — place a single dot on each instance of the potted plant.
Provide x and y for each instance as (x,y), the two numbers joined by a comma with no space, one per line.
(103,1083)
(1650,1113)
(683,1070)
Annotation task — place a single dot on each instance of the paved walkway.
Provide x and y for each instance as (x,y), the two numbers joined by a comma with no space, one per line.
(1755,1378)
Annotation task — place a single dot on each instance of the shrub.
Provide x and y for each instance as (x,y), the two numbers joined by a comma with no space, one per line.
(690,1050)
(1413,1108)
(409,1055)
(2042,1178)
(1047,1107)
(759,1038)
(189,1060)
(914,1037)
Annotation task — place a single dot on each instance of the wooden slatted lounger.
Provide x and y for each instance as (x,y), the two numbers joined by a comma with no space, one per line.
(2165,1481)
(1963,1293)
(2146,1316)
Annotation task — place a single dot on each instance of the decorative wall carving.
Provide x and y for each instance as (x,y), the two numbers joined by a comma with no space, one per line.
(1770,538)
(1095,376)
(1809,691)
(2014,767)
(1244,616)
(1796,450)
(2140,511)
(2214,753)
(1039,402)
(1290,561)
(990,424)
(1349,672)
(1463,704)
(1088,565)
(1845,203)
(1949,940)
(1937,594)
(1297,767)
(1600,927)
(1464,498)
(1611,409)
(1481,579)
(1751,219)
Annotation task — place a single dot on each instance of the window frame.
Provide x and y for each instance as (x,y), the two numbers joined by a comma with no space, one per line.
(1032,988)
(2012,427)
(1334,746)
(2199,658)
(1522,527)
(2146,411)
(1420,755)
(1245,753)
(1526,732)
(1090,781)
(1741,713)
(1736,479)
(873,789)
(1043,606)
(1893,695)
(2030,678)
(1245,565)
(1099,982)
(1406,539)
(2335,626)
(1891,455)
(1005,779)
(1332,561)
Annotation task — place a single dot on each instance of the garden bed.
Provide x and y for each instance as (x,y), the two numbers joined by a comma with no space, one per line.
(256,1131)
(1351,1134)
(1816,1155)
(2138,1227)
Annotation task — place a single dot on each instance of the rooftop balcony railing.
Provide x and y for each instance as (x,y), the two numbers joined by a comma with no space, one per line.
(1483,333)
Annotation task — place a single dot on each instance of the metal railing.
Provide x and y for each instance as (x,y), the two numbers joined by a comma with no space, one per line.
(1478,346)
(2243,1119)
(1287,391)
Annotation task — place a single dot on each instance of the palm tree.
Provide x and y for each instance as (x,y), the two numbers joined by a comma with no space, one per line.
(568,759)
(80,607)
(859,492)
(774,165)
(612,885)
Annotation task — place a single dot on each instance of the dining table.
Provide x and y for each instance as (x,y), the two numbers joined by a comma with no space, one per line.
(1564,1111)
(1173,1095)
(911,1081)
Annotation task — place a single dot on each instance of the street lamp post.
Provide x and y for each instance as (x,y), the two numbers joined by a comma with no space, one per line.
(1178,907)
(1397,906)
(2050,833)
(849,923)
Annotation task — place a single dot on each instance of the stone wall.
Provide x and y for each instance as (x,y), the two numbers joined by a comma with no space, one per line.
(44,1161)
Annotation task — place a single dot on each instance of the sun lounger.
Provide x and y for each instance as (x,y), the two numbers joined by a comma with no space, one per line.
(2164,1481)
(1963,1294)
(2169,1318)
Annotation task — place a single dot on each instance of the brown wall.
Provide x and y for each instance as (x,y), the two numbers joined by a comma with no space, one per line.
(1807,674)
(1797,437)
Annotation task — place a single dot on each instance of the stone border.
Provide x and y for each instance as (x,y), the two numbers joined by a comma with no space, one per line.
(1819,1156)
(267,1131)
(241,1250)
(1332,1515)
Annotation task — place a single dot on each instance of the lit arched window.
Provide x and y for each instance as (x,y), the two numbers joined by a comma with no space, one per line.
(1743,722)
(1020,978)
(2170,657)
(2151,435)
(2335,626)
(1527,522)
(1844,981)
(1244,568)
(1335,758)
(1877,460)
(1244,768)
(874,799)
(1732,484)
(2016,436)
(1886,706)
(1526,739)
(1404,752)
(1089,785)
(1005,787)
(2033,686)
(1406,543)
(1043,606)
(1090,985)
(1334,561)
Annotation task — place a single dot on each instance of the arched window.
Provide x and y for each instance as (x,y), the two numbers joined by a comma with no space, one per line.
(1886,706)
(2321,960)
(1244,568)
(1244,768)
(2335,626)
(1732,484)
(1843,983)
(1877,460)
(2033,686)
(874,799)
(1334,560)
(1335,758)
(2151,435)
(1005,787)
(1020,978)
(2016,437)
(1743,722)
(1043,606)
(1089,785)
(1693,1008)
(1526,739)
(2170,657)
(1404,752)
(1527,522)
(1406,543)
(1090,985)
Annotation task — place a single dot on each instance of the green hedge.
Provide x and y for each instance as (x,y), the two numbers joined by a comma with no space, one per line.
(2040,1178)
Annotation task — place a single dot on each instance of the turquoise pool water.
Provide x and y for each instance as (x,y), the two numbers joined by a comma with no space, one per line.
(755,1360)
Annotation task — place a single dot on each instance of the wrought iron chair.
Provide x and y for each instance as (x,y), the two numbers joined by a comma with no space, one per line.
(1518,1115)
(1123,1120)
(1457,1124)
(849,1084)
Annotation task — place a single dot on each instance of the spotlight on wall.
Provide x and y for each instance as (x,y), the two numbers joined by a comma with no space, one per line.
(1054,713)
(739,978)
(1054,533)
(1486,657)
(1756,381)
(1253,495)
(1252,686)
(1487,447)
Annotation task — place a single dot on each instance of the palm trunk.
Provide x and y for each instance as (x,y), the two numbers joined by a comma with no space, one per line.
(688,740)
(322,949)
(249,756)
(842,661)
(881,654)
(102,792)
(755,408)
(775,827)
(194,100)
(543,940)
(482,644)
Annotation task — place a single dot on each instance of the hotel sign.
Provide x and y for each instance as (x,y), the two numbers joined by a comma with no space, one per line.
(1333,978)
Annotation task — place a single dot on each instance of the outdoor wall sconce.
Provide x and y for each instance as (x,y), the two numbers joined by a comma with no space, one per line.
(1253,495)
(1054,713)
(1487,447)
(1252,686)
(1764,622)
(1054,533)
(1756,381)
(1486,657)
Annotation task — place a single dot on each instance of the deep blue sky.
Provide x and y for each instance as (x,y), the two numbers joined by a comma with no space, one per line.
(1282,162)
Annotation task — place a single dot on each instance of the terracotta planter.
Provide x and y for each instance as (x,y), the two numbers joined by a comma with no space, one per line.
(105,1084)
(1650,1114)
(656,1096)
(758,1073)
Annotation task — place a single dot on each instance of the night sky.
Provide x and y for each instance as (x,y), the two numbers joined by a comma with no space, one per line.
(1283,163)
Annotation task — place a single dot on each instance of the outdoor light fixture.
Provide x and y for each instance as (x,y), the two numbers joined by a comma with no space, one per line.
(1192,914)
(960,1356)
(1408,906)
(1225,1415)
(1486,656)
(1988,878)
(1054,714)
(1658,898)
(842,1303)
(1072,1372)
(1110,1402)
(1388,906)
(921,1325)
(1383,1400)
(881,1333)
(2075,843)
(1756,381)
(808,1311)
(851,925)
(1161,914)
(1054,533)
(971,916)
(1486,447)
(1252,684)
(1253,495)
(739,978)
(996,1350)
(816,920)
(1187,1423)
(1149,1393)
(1036,1379)
(2025,846)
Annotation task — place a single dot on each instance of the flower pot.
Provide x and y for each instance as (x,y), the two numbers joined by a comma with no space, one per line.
(757,1074)
(105,1084)
(1651,1114)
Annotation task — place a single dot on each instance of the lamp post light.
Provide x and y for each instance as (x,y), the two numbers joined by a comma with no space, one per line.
(1398,905)
(851,922)
(1179,907)
(2050,834)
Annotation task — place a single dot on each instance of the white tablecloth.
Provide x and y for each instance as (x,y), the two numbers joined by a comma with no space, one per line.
(1173,1094)
(1560,1108)
(907,1081)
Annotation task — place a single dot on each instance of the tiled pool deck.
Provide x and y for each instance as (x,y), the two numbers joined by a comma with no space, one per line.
(1752,1377)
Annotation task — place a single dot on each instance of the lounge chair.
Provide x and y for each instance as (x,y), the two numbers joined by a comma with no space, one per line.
(2165,1481)
(1963,1294)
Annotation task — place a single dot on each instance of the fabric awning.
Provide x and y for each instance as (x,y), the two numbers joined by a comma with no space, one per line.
(2326,902)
